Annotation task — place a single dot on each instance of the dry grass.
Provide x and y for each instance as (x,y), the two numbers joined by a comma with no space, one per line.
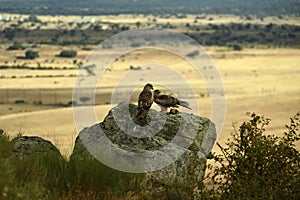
(59,20)
(261,80)
(265,81)
(48,57)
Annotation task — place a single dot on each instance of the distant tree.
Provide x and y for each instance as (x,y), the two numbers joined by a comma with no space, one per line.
(16,46)
(135,68)
(237,47)
(29,54)
(68,53)
(193,54)
(33,18)
(248,17)
(269,26)
(97,28)
(248,26)
(125,28)
(138,24)
(84,99)
(9,33)
(291,35)
(215,26)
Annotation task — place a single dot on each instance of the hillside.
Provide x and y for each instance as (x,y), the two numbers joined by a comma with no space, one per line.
(95,7)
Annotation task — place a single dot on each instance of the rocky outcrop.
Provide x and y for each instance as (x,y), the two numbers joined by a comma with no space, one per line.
(174,146)
(33,146)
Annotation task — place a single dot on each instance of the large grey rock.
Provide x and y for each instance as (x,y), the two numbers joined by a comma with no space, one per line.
(181,141)
(33,146)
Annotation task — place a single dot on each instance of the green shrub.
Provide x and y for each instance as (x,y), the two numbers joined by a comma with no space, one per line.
(258,166)
(33,18)
(9,33)
(29,54)
(237,47)
(68,53)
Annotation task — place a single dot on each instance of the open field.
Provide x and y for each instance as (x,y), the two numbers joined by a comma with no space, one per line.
(48,58)
(262,79)
(132,19)
(265,81)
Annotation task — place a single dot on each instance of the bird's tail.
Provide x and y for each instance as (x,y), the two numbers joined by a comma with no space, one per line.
(184,104)
(141,115)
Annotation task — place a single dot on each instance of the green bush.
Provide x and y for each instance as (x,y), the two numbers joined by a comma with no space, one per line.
(29,54)
(258,166)
(9,33)
(237,47)
(33,18)
(68,53)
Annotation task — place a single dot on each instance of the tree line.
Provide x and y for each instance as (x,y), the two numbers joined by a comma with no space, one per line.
(212,34)
(96,7)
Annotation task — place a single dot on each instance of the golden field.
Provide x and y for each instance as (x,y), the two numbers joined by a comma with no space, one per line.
(261,80)
(265,81)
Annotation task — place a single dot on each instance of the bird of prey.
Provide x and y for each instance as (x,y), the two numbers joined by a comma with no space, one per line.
(166,101)
(145,102)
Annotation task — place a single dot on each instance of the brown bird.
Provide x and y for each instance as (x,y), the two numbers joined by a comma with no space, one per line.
(145,102)
(166,101)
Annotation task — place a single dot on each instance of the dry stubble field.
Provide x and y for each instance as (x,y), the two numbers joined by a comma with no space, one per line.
(265,81)
(262,80)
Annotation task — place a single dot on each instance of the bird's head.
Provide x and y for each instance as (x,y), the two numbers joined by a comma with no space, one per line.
(148,86)
(156,92)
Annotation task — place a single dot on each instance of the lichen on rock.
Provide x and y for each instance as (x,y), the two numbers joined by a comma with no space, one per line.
(177,138)
(33,146)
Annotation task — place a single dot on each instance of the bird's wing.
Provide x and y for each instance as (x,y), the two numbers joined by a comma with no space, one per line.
(166,100)
(184,104)
(145,100)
